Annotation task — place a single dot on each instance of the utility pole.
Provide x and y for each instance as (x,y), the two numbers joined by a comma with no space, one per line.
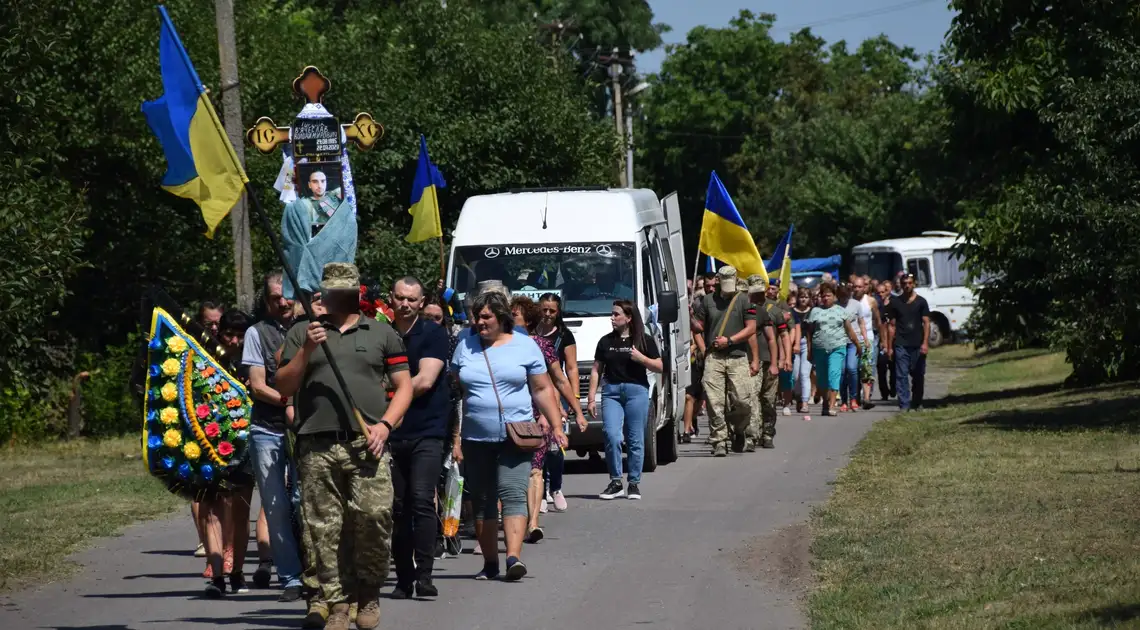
(619,114)
(231,111)
(616,63)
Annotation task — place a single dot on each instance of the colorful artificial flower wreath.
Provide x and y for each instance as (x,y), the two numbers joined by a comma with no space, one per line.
(196,429)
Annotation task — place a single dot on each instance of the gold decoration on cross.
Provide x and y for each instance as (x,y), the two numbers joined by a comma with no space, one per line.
(311,85)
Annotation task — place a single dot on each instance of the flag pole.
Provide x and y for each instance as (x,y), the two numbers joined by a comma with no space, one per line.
(697,266)
(442,262)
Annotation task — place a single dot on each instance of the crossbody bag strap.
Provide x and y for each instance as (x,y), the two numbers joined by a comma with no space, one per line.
(494,387)
(724,316)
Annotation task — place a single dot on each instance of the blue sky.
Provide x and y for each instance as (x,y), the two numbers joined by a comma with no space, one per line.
(920,24)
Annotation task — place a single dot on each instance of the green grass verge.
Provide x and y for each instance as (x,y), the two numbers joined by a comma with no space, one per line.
(54,498)
(1017,505)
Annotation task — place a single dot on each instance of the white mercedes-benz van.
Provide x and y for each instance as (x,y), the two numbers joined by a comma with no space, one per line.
(590,246)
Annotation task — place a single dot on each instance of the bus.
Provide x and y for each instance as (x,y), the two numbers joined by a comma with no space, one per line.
(935,261)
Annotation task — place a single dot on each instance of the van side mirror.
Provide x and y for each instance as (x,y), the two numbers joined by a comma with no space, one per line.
(667,307)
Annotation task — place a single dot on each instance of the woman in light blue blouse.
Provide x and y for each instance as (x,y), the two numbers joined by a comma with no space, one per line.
(828,333)
(515,383)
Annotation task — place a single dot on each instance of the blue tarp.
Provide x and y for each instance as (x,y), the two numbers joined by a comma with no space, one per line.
(817,265)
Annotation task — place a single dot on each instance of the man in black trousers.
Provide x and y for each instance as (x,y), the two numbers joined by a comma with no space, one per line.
(417,445)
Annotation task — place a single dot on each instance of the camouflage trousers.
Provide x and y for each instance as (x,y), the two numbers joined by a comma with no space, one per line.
(346,502)
(763,422)
(728,392)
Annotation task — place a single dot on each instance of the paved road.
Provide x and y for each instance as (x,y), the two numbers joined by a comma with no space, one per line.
(715,543)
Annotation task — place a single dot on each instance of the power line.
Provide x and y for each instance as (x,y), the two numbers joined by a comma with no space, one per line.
(840,19)
(858,15)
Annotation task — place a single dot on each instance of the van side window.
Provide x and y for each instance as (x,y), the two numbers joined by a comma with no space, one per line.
(920,267)
(948,268)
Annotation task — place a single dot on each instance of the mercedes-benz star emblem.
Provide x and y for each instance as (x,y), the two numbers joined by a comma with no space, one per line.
(492,252)
(604,250)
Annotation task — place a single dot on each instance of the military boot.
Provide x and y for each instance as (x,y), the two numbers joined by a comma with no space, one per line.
(368,615)
(338,618)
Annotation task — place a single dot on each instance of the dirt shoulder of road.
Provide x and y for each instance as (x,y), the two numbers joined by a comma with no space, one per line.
(56,497)
(1013,504)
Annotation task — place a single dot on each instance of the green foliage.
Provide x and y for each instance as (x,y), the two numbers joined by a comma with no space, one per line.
(87,228)
(109,408)
(840,143)
(1043,132)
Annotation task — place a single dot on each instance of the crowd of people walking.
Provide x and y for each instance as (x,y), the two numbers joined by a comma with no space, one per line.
(340,502)
(754,352)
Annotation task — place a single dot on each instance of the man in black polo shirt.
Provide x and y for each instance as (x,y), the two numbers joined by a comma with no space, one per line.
(909,327)
(417,447)
(346,480)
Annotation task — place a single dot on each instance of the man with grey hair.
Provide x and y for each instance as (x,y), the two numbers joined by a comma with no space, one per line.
(271,462)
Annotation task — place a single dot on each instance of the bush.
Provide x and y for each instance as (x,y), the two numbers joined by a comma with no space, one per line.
(109,407)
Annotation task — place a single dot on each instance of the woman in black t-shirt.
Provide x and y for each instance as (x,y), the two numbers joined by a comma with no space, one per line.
(622,361)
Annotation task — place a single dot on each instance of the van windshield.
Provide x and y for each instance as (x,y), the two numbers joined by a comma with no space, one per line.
(878,265)
(587,276)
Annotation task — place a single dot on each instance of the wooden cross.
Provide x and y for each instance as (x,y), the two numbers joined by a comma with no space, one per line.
(311,85)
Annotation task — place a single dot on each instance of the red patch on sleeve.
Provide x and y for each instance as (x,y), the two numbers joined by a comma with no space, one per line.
(396,359)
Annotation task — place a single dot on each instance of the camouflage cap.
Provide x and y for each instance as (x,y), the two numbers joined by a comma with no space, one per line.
(340,277)
(757,283)
(727,275)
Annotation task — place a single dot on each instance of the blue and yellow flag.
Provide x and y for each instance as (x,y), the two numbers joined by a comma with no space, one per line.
(786,273)
(200,161)
(782,250)
(723,234)
(425,200)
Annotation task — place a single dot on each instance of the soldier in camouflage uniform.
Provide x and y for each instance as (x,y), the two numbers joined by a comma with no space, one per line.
(772,327)
(765,381)
(730,335)
(346,483)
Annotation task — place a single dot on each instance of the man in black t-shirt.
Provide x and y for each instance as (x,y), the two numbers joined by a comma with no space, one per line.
(909,329)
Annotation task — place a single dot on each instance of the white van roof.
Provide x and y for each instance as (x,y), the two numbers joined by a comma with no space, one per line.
(570,215)
(928,241)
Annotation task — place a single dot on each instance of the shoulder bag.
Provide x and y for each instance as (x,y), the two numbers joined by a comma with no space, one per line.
(526,436)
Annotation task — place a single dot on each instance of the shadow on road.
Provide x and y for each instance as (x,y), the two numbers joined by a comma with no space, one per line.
(184,594)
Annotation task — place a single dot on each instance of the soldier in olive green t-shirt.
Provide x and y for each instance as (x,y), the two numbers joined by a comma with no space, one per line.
(346,482)
(729,323)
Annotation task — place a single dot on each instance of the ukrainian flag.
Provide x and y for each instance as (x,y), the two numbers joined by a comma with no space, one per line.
(723,234)
(200,161)
(425,202)
(781,262)
(786,273)
(781,251)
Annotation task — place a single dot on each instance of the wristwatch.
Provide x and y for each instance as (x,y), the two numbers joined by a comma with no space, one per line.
(387,424)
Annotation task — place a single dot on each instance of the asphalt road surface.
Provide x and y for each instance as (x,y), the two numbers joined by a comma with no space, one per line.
(715,543)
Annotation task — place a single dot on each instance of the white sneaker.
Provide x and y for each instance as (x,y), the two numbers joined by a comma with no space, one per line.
(543,507)
(787,410)
(560,502)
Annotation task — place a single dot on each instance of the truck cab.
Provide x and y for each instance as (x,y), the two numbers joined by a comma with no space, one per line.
(590,246)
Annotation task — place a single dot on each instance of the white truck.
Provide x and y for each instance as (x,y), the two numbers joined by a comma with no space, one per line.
(590,246)
(938,274)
